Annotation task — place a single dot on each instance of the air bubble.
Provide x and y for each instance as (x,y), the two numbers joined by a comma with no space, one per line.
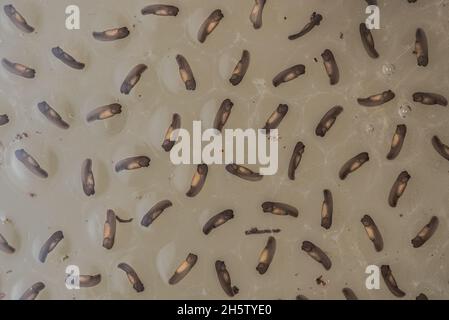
(404,110)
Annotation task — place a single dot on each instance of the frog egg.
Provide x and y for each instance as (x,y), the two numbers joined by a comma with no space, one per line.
(100,171)
(59,104)
(95,218)
(388,69)
(25,283)
(168,73)
(9,232)
(404,110)
(106,127)
(55,256)
(138,177)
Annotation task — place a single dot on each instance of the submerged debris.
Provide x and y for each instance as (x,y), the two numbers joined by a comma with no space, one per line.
(17,19)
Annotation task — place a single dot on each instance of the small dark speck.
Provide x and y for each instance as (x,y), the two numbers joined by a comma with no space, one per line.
(32,195)
(285,18)
(140,96)
(341,35)
(134,25)
(315,59)
(401,215)
(9,271)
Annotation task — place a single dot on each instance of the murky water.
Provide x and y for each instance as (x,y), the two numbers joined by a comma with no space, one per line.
(33,208)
